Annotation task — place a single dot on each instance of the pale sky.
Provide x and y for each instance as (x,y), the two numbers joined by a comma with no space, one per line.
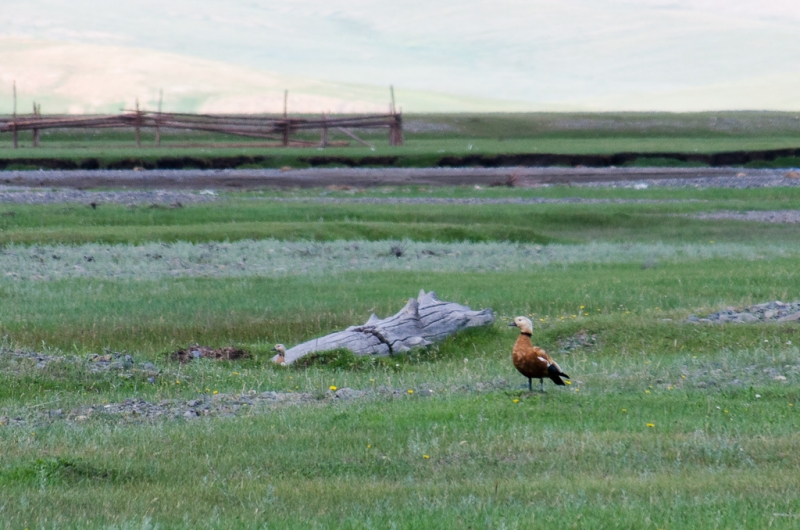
(439,54)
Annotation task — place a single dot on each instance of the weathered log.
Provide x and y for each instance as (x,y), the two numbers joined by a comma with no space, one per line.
(420,323)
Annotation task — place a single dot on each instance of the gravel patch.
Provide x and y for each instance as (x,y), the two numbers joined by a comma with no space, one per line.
(273,258)
(773,179)
(120,363)
(766,216)
(638,178)
(138,410)
(776,311)
(174,199)
(475,200)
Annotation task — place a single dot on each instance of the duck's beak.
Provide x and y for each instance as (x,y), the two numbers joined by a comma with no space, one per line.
(512,325)
(273,349)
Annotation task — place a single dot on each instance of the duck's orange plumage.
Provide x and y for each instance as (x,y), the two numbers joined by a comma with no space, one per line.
(281,349)
(532,361)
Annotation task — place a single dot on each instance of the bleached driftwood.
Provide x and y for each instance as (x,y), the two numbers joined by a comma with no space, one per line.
(421,322)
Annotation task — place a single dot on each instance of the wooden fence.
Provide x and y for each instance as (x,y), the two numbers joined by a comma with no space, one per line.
(279,129)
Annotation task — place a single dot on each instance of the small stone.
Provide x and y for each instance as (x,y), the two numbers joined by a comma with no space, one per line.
(190,414)
(151,379)
(347,393)
(692,318)
(272,396)
(747,317)
(779,378)
(790,318)
(148,366)
(425,393)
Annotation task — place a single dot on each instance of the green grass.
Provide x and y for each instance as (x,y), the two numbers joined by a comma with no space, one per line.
(721,451)
(257,217)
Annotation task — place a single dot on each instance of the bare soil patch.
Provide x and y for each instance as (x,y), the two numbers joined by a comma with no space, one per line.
(191,353)
(766,216)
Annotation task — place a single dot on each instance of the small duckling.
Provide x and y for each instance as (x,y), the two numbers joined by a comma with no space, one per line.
(532,361)
(281,349)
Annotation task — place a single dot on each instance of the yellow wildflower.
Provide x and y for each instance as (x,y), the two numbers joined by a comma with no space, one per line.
(646,391)
(516,401)
(568,382)
(410,391)
(332,387)
(624,410)
(651,424)
(216,392)
(425,457)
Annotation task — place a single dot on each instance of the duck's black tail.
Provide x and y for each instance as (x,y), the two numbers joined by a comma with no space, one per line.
(555,375)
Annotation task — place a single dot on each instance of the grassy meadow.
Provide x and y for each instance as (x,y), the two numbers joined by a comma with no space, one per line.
(664,425)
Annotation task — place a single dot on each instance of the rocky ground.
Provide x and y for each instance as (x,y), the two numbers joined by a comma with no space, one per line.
(768,216)
(776,311)
(177,187)
(235,179)
(164,198)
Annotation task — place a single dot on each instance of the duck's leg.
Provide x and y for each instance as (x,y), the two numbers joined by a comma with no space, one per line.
(530,385)
(541,385)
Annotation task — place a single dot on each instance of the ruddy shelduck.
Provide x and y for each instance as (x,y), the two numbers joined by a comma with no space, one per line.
(281,349)
(532,361)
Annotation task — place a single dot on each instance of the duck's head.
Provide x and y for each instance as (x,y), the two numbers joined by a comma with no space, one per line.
(281,350)
(523,323)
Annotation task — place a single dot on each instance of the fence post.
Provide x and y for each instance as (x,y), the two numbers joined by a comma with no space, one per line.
(158,118)
(138,125)
(14,123)
(35,131)
(324,140)
(285,118)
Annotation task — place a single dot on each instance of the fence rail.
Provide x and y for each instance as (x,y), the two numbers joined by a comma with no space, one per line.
(279,129)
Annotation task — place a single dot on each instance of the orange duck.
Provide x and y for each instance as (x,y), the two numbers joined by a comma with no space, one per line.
(281,350)
(532,361)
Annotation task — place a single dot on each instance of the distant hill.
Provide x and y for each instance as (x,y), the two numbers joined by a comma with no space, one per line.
(90,78)
(441,55)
